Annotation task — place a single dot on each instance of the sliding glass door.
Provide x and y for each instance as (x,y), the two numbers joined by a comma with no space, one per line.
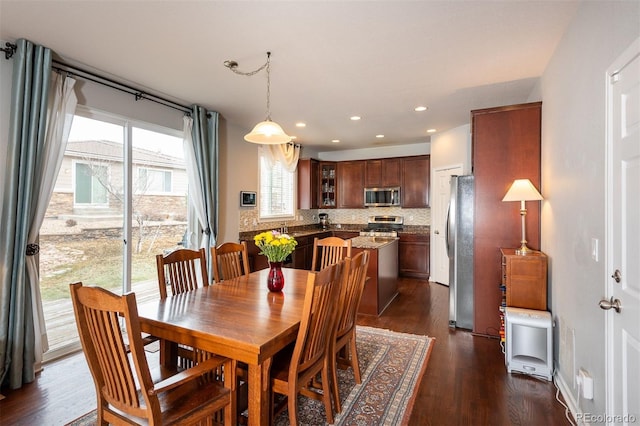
(120,198)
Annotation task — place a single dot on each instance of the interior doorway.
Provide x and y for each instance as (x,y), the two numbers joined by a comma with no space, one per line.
(622,286)
(442,192)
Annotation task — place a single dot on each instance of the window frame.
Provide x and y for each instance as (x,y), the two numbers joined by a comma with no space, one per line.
(293,196)
(157,170)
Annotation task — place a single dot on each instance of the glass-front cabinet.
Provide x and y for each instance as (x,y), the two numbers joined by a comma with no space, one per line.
(327,185)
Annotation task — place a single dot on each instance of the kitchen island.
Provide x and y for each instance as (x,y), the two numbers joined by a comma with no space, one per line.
(381,286)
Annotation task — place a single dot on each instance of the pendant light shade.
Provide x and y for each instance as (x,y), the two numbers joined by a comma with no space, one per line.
(267,133)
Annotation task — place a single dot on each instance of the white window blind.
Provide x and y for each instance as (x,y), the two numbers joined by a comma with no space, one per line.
(277,186)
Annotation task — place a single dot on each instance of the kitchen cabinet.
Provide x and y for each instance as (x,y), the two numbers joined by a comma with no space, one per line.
(524,279)
(414,191)
(351,184)
(303,254)
(308,184)
(505,147)
(256,260)
(383,173)
(345,235)
(381,286)
(413,255)
(328,184)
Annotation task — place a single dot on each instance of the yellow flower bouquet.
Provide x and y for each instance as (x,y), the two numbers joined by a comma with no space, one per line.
(274,245)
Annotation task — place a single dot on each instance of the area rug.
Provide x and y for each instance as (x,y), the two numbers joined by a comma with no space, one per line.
(392,365)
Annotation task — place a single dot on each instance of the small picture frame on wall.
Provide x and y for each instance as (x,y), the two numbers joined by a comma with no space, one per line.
(247,199)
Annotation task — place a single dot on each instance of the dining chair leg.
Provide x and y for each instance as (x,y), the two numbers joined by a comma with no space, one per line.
(326,393)
(354,359)
(333,366)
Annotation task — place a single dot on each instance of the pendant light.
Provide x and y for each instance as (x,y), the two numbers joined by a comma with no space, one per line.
(266,132)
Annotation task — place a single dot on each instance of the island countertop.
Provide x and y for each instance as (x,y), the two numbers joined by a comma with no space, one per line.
(371,242)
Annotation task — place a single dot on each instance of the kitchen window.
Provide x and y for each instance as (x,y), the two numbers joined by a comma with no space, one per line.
(277,188)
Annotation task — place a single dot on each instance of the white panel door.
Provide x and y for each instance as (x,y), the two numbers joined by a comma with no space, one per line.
(623,239)
(439,270)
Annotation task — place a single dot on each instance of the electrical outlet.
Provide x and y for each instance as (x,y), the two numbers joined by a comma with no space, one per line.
(585,382)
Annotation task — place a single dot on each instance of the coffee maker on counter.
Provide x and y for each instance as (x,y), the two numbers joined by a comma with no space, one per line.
(324,220)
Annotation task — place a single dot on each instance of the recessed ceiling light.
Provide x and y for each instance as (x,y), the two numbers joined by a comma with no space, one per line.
(431,131)
(355,118)
(379,136)
(301,124)
(420,108)
(335,140)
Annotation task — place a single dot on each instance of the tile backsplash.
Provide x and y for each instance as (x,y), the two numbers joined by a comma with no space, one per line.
(249,217)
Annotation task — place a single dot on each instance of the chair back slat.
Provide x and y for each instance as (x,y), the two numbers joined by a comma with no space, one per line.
(330,250)
(116,374)
(318,316)
(182,270)
(230,260)
(354,276)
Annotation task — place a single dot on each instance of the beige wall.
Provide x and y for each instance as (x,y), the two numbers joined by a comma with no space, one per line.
(572,90)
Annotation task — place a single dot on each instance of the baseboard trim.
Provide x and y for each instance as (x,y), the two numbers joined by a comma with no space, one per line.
(567,395)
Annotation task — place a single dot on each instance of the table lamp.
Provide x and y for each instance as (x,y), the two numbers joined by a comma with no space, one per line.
(522,190)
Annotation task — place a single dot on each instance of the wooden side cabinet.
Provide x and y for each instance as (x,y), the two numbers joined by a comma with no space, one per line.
(524,278)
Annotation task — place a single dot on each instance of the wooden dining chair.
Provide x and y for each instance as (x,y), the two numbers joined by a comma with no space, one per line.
(230,260)
(127,391)
(294,369)
(182,270)
(330,250)
(343,349)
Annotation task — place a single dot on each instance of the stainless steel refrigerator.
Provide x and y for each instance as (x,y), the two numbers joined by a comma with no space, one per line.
(459,239)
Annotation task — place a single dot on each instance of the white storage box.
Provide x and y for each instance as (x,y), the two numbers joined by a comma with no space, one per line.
(529,342)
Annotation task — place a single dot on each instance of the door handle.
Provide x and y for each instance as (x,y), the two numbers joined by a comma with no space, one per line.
(610,304)
(436,232)
(617,276)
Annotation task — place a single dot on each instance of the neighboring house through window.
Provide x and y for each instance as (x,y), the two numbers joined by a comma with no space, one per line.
(88,189)
(154,181)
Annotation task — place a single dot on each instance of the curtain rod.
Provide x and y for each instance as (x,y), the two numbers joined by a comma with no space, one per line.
(139,94)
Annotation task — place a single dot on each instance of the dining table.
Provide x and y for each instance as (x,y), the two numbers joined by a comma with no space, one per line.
(240,319)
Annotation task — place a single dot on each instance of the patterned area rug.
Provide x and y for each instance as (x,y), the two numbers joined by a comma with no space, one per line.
(392,365)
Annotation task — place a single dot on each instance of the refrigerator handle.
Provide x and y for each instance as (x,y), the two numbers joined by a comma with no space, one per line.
(446,231)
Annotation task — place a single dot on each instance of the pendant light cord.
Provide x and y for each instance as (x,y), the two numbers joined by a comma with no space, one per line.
(233,66)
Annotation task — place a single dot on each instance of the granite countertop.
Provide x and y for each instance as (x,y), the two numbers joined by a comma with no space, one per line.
(371,242)
(305,230)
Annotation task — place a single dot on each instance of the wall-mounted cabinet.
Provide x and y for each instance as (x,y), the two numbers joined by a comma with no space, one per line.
(383,173)
(414,191)
(351,184)
(328,185)
(308,184)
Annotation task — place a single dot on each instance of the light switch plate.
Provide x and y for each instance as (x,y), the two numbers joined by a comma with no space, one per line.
(595,255)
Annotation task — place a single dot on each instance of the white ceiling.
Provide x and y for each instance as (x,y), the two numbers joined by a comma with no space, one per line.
(330,60)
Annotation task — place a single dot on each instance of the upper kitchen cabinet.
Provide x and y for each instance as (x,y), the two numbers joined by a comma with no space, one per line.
(505,147)
(351,184)
(327,174)
(308,185)
(414,191)
(383,173)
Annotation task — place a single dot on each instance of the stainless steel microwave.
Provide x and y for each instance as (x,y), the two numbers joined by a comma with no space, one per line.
(382,197)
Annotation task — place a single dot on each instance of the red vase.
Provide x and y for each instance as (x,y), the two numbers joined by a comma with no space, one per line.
(275,280)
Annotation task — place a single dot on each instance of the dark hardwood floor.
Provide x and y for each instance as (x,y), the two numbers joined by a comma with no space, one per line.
(465,383)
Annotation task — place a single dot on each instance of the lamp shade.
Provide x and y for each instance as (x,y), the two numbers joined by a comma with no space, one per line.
(267,133)
(522,190)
